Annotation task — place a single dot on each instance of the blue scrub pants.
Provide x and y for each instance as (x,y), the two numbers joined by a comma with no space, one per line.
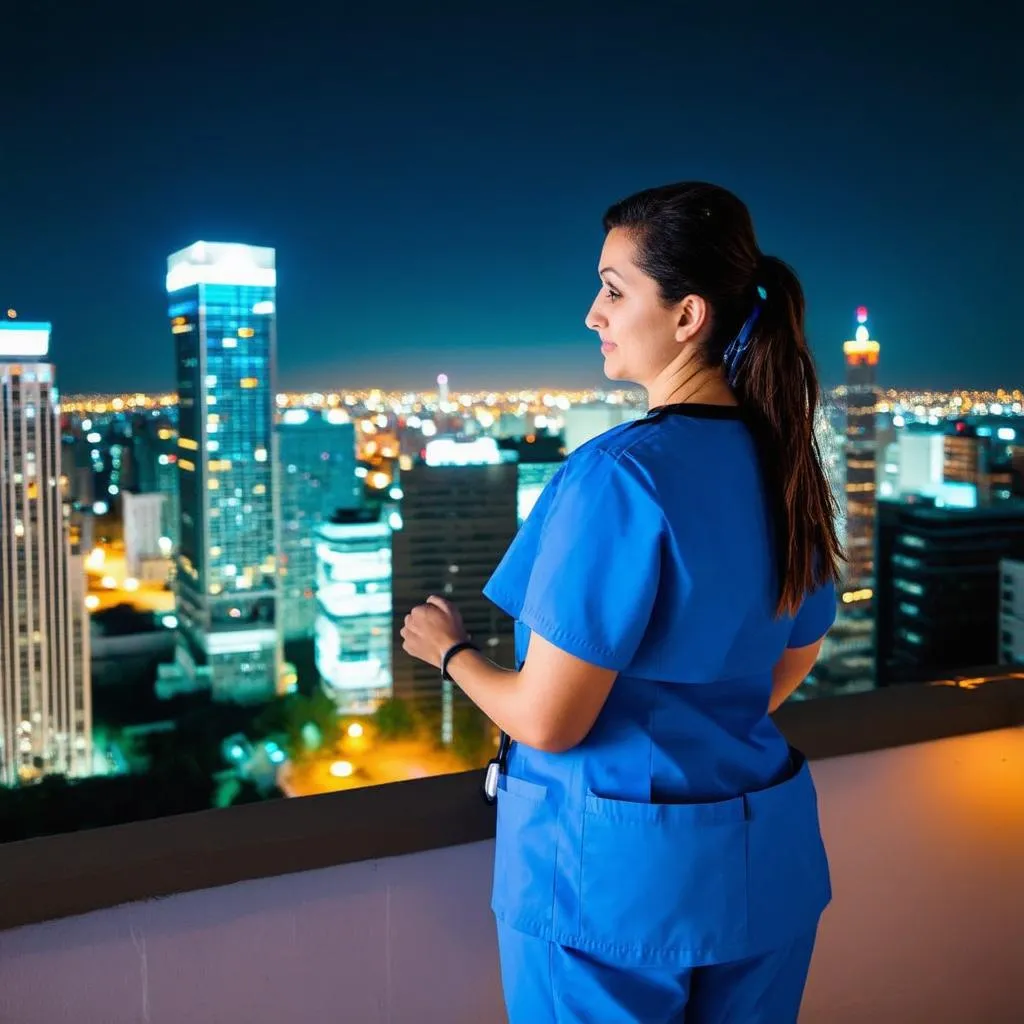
(546,983)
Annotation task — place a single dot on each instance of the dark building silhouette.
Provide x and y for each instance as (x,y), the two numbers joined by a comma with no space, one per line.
(937,593)
(457,522)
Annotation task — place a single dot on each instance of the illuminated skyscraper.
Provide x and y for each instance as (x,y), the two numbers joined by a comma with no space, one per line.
(861,399)
(222,311)
(442,389)
(45,707)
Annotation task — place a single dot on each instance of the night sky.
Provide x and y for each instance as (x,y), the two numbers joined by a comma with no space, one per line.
(434,182)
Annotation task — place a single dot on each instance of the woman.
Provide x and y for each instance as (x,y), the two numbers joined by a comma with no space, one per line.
(658,853)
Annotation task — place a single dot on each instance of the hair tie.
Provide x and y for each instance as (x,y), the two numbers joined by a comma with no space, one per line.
(732,357)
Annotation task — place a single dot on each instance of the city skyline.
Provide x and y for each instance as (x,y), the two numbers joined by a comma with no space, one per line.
(409,246)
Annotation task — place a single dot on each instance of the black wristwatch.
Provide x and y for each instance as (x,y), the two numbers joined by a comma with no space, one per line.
(465,645)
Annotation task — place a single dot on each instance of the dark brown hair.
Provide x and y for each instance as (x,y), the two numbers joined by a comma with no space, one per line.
(694,238)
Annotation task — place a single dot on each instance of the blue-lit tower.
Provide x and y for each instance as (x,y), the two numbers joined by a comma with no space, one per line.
(222,310)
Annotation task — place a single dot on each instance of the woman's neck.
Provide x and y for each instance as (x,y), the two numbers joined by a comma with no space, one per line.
(704,386)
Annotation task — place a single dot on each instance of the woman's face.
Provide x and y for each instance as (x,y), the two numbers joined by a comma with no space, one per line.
(640,336)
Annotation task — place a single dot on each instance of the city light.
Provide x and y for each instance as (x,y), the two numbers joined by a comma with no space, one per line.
(355,730)
(447,452)
(224,263)
(342,769)
(92,602)
(21,339)
(96,559)
(131,584)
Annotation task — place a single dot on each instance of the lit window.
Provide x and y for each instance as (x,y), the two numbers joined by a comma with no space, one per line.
(249,382)
(245,332)
(260,455)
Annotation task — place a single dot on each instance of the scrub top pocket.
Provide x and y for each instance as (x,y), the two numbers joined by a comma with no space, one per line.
(666,878)
(524,853)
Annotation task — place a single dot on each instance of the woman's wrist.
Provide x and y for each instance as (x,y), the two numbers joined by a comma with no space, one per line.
(453,651)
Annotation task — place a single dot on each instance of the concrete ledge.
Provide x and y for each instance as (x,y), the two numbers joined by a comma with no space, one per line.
(59,876)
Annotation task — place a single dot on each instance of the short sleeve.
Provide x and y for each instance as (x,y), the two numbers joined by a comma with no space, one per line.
(591,586)
(815,617)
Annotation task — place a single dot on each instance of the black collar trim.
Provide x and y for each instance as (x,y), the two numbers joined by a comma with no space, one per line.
(697,410)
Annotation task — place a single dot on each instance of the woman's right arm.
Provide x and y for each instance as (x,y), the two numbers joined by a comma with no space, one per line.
(791,670)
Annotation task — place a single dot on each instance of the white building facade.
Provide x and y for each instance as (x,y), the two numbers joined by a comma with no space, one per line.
(45,707)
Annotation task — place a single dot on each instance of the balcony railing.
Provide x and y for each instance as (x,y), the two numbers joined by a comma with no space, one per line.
(372,905)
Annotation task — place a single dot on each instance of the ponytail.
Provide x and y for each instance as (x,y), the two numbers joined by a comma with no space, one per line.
(777,387)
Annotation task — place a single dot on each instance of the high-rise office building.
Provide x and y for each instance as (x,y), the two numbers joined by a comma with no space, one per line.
(861,355)
(317,450)
(458,519)
(965,462)
(222,311)
(45,690)
(938,589)
(353,600)
(1011,612)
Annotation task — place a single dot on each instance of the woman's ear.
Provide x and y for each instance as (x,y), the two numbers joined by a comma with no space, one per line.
(693,318)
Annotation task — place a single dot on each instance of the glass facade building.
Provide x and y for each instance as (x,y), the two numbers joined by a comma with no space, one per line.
(222,312)
(45,708)
(317,450)
(353,602)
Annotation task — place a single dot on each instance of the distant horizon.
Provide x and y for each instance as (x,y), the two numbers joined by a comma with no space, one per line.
(457,388)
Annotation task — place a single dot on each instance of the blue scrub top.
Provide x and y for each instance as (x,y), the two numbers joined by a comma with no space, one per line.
(683,829)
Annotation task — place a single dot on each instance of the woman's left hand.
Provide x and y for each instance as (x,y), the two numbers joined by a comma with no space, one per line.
(431,628)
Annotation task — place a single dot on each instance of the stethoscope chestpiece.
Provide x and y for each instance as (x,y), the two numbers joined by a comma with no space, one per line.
(490,787)
(495,767)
